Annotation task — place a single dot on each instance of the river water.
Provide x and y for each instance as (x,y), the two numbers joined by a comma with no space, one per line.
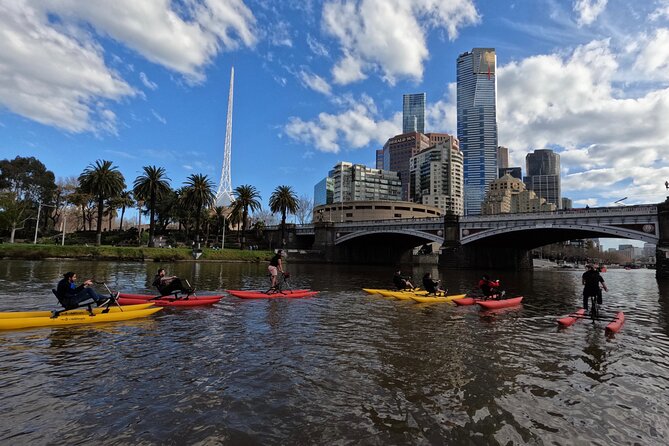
(341,368)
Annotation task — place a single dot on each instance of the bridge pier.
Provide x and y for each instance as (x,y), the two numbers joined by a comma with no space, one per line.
(662,248)
(455,255)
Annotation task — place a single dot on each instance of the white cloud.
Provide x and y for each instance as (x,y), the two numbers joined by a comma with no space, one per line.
(316,83)
(279,34)
(359,124)
(158,117)
(388,36)
(53,75)
(52,68)
(661,12)
(347,70)
(653,55)
(441,116)
(588,10)
(356,127)
(316,47)
(614,146)
(159,33)
(147,83)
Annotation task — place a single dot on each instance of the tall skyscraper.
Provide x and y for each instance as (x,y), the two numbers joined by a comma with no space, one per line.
(413,113)
(543,175)
(477,123)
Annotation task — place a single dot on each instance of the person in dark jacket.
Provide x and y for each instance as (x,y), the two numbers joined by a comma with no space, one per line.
(168,285)
(402,283)
(432,286)
(69,294)
(591,280)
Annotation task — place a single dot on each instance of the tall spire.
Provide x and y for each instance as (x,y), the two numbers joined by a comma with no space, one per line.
(224,194)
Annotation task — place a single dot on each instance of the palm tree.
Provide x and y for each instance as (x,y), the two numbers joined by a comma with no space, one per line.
(103,181)
(199,195)
(283,200)
(149,187)
(124,201)
(246,197)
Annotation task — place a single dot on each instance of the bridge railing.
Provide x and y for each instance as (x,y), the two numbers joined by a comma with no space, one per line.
(352,224)
(569,213)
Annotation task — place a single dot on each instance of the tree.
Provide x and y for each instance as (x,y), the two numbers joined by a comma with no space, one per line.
(82,201)
(246,197)
(283,200)
(305,207)
(199,195)
(149,187)
(103,181)
(13,212)
(124,201)
(31,183)
(28,178)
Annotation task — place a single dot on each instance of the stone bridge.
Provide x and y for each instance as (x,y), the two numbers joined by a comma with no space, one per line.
(489,241)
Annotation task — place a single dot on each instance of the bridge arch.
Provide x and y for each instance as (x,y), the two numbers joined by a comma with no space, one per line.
(426,236)
(588,231)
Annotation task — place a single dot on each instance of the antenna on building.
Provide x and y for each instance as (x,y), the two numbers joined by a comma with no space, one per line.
(224,194)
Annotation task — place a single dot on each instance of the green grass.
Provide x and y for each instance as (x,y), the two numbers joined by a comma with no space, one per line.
(38,252)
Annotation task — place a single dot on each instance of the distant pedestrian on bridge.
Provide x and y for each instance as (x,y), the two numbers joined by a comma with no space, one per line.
(666,184)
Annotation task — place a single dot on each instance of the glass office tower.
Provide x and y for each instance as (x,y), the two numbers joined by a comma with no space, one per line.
(477,123)
(543,175)
(413,113)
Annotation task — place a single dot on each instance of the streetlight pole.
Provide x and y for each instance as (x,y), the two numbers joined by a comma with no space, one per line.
(62,240)
(223,234)
(39,209)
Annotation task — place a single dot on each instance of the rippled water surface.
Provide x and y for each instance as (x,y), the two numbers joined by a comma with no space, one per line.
(341,368)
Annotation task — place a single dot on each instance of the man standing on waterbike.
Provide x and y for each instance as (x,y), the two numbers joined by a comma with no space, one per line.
(591,280)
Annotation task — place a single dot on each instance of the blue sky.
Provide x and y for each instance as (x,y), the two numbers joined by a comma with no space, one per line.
(318,82)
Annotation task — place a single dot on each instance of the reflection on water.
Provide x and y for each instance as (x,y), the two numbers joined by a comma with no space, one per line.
(344,367)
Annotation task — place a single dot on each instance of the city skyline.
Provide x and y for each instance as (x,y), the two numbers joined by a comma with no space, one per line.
(80,83)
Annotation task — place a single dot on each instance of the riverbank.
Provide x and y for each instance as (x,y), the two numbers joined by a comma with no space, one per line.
(126,253)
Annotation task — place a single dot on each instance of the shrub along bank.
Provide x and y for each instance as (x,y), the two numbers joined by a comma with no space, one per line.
(38,252)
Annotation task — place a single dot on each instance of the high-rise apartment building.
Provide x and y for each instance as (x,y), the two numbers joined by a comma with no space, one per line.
(397,152)
(502,157)
(477,123)
(324,192)
(543,175)
(413,113)
(436,176)
(355,182)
